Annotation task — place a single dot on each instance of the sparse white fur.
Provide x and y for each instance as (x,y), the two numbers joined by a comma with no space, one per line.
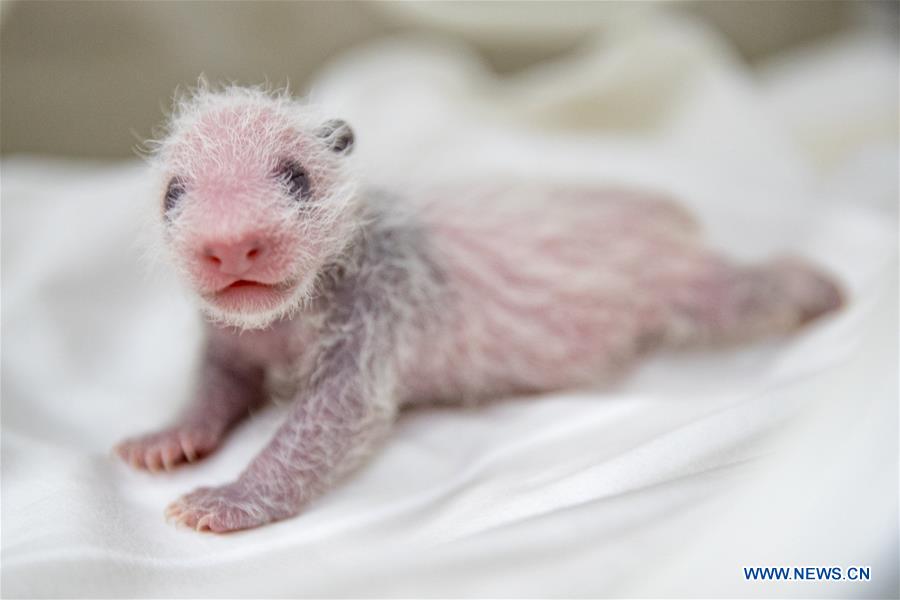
(382,302)
(189,150)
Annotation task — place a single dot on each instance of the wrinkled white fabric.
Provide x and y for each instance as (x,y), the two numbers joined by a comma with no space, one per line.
(779,453)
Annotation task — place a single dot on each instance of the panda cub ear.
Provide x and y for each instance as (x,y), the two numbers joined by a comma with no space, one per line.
(337,135)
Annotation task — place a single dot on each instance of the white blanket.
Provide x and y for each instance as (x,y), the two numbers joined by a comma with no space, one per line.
(779,453)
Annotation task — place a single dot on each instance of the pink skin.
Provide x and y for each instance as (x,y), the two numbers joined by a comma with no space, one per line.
(225,393)
(484,292)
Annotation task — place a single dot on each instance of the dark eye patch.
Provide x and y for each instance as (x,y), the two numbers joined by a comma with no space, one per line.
(174,191)
(295,178)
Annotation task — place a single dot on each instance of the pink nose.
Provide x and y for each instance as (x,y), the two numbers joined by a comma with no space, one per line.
(233,258)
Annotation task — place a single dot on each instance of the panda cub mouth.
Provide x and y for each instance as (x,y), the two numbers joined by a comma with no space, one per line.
(246,283)
(248,294)
(252,283)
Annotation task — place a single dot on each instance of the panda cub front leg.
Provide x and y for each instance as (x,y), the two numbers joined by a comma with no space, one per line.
(337,419)
(226,390)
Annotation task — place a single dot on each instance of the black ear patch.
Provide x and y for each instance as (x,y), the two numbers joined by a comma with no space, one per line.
(337,134)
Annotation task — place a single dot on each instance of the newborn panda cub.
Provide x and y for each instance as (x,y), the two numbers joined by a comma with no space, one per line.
(369,302)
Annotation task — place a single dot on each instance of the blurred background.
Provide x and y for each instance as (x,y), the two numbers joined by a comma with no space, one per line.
(90,79)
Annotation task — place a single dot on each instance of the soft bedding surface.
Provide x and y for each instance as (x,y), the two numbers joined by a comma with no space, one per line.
(668,483)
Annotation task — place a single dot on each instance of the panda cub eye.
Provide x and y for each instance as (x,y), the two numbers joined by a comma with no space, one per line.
(174,191)
(295,178)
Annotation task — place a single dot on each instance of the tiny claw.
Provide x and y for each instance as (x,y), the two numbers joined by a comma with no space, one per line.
(168,460)
(187,447)
(151,459)
(203,523)
(171,511)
